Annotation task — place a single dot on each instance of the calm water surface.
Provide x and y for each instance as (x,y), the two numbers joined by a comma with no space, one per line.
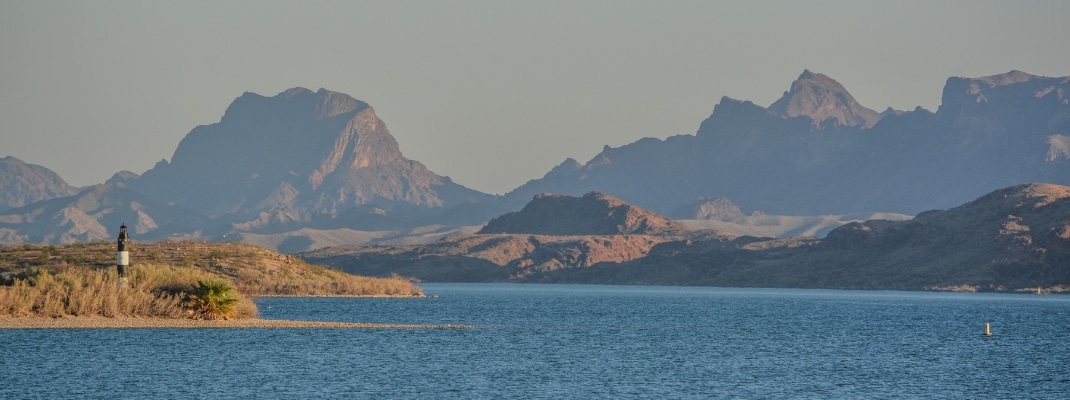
(577,341)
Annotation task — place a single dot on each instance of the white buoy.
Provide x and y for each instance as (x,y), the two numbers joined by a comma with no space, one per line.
(122,256)
(988,329)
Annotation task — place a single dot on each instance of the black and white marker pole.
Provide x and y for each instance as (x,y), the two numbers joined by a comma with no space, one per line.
(122,255)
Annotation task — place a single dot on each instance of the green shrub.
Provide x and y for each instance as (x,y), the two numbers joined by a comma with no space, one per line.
(213,299)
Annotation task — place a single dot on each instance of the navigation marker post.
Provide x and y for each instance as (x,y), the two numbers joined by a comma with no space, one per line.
(122,256)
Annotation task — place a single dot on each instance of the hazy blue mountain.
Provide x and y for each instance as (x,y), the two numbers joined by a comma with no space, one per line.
(22,184)
(314,152)
(96,213)
(817,151)
(322,164)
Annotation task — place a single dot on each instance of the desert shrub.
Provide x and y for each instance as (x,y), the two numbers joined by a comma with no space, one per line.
(218,254)
(151,291)
(41,259)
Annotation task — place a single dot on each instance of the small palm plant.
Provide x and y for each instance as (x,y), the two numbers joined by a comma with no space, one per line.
(213,299)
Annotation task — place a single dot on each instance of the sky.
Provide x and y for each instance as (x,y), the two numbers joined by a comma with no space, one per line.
(490,93)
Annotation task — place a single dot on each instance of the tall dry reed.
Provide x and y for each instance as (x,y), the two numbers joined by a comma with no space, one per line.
(149,291)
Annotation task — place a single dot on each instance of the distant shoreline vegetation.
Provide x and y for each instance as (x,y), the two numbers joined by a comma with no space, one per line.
(190,280)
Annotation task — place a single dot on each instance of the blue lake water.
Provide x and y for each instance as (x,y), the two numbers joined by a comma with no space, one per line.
(577,341)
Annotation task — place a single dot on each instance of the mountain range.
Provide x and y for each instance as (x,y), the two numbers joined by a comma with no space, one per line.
(817,151)
(306,169)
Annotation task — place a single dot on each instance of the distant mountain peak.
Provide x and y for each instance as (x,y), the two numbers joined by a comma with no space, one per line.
(22,183)
(821,98)
(566,167)
(319,151)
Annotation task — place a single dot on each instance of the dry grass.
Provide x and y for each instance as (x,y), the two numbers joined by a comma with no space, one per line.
(80,279)
(149,291)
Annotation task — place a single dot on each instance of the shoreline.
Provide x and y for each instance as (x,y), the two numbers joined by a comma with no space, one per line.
(175,323)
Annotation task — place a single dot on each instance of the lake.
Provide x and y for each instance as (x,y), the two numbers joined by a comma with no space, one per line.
(577,341)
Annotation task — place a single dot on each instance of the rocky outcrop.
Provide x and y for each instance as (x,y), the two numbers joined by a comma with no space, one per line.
(22,184)
(593,214)
(720,209)
(486,257)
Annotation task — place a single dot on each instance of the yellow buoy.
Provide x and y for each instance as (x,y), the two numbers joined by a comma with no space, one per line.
(988,329)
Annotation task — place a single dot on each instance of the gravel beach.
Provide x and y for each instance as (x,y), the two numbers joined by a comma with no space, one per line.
(158,323)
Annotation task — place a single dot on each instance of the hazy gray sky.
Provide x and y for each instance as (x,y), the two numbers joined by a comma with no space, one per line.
(491,93)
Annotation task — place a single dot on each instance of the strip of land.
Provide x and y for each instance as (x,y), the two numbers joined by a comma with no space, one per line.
(172,323)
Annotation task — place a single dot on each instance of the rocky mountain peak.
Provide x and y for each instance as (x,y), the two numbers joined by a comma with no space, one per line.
(298,101)
(821,98)
(320,152)
(566,167)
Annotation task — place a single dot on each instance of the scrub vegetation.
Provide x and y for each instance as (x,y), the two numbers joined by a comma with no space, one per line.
(167,280)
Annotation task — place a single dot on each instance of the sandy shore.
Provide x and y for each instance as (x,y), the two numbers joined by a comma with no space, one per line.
(136,323)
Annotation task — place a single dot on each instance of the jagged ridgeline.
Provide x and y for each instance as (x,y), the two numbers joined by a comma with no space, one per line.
(817,151)
(307,169)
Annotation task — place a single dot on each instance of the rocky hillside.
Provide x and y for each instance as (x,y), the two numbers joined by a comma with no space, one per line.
(550,233)
(486,257)
(22,184)
(818,151)
(1016,238)
(593,214)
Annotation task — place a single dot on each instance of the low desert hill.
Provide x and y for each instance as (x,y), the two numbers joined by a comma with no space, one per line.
(593,214)
(1012,239)
(255,271)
